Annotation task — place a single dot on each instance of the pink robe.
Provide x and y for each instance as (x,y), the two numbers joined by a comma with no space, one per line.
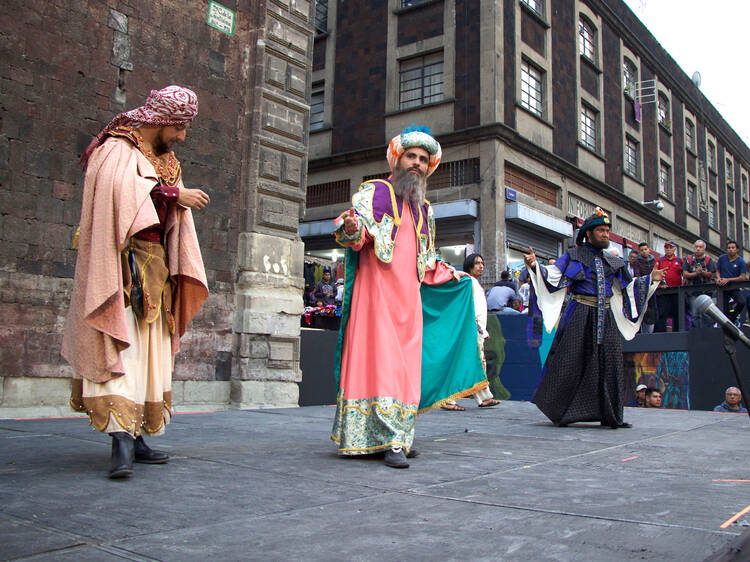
(382,353)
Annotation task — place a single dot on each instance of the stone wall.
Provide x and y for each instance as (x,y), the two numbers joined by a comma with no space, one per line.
(69,67)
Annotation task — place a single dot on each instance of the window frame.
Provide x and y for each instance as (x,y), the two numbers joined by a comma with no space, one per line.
(713,212)
(423,99)
(663,112)
(537,7)
(587,37)
(629,81)
(690,138)
(665,178)
(691,203)
(317,89)
(636,160)
(527,91)
(583,127)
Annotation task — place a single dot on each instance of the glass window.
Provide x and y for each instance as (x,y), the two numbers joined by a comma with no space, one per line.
(321,16)
(632,157)
(421,80)
(589,127)
(663,107)
(744,187)
(536,6)
(728,172)
(629,77)
(711,155)
(665,180)
(745,236)
(532,89)
(692,199)
(712,212)
(690,134)
(316,108)
(586,39)
(731,227)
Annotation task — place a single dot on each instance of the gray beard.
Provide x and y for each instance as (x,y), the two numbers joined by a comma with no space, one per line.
(409,186)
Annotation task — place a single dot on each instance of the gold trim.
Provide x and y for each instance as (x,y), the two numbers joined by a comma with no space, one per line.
(469,391)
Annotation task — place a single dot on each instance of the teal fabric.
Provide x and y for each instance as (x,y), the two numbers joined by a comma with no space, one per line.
(451,362)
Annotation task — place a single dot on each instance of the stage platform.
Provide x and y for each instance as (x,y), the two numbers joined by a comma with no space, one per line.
(490,484)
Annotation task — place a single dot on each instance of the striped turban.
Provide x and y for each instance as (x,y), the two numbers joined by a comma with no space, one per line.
(412,137)
(173,105)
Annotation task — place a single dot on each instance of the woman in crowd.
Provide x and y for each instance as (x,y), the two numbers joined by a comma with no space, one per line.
(474,266)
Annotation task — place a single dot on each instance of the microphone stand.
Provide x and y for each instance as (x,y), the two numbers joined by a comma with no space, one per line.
(729,347)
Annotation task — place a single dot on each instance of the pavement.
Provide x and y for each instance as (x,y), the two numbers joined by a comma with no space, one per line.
(490,484)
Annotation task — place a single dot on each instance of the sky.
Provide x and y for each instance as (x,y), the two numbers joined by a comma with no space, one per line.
(712,38)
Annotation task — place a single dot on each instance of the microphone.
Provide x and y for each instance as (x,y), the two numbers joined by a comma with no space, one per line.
(706,306)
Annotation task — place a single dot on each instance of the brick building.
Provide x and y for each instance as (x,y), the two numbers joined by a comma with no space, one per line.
(544,109)
(68,68)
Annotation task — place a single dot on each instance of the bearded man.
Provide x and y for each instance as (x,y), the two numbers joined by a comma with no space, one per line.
(139,275)
(582,379)
(403,348)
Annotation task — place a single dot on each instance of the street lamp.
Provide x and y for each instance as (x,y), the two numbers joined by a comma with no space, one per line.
(656,204)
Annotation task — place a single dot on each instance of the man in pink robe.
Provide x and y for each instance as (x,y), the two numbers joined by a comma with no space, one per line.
(135,210)
(391,227)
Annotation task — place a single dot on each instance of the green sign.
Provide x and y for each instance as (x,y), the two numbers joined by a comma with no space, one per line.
(220,17)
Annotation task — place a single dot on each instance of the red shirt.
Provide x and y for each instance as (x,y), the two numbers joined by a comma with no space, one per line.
(673,276)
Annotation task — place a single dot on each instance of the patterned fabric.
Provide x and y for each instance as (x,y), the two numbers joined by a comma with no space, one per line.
(411,139)
(173,105)
(372,425)
(581,380)
(380,212)
(601,295)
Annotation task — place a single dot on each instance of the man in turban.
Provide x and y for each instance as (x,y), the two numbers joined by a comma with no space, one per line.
(139,275)
(582,379)
(402,347)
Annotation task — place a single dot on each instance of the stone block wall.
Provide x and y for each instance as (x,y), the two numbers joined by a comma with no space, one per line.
(68,67)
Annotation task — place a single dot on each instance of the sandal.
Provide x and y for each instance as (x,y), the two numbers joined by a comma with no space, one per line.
(453,408)
(489,403)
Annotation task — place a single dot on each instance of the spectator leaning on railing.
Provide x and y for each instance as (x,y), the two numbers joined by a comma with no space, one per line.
(698,269)
(668,303)
(730,268)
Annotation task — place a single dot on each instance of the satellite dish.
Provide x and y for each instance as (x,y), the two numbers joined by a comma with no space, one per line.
(696,78)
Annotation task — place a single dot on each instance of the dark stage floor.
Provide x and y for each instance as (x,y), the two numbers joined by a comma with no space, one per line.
(491,484)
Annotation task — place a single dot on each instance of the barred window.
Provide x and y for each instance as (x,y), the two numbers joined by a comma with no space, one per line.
(532,88)
(589,127)
(530,185)
(586,39)
(421,80)
(712,212)
(537,6)
(663,108)
(665,180)
(690,134)
(632,157)
(316,108)
(630,77)
(692,199)
(321,16)
(329,193)
(448,174)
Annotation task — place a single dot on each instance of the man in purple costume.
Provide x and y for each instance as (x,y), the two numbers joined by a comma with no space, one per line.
(582,379)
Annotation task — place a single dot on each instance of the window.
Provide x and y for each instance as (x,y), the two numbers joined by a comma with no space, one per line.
(744,187)
(421,80)
(689,135)
(692,199)
(586,39)
(321,16)
(731,227)
(663,108)
(410,3)
(711,155)
(728,172)
(629,77)
(322,194)
(712,212)
(665,180)
(536,6)
(316,107)
(532,89)
(745,236)
(632,157)
(458,172)
(523,182)
(589,127)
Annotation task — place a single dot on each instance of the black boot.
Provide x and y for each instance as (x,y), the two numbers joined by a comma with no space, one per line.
(122,455)
(146,455)
(396,459)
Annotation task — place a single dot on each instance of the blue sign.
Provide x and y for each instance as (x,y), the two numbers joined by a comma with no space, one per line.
(510,194)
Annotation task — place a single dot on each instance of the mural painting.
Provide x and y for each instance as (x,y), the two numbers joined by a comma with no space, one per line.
(669,371)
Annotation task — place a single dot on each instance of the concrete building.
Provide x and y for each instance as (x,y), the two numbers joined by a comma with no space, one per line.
(544,109)
(68,68)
